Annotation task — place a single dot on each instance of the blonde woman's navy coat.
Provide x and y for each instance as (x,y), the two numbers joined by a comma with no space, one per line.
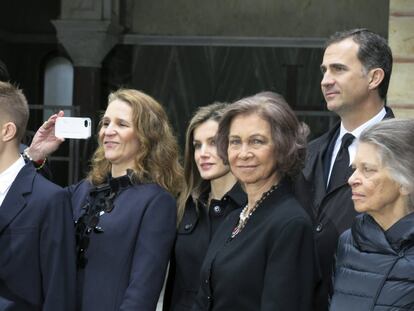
(127,261)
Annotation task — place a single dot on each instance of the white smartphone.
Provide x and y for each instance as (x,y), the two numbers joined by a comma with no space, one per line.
(70,127)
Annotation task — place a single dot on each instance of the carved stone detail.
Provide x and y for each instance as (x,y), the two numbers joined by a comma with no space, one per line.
(82,9)
(87,42)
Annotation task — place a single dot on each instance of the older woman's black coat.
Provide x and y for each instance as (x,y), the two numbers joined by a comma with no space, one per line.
(375,269)
(268,266)
(194,235)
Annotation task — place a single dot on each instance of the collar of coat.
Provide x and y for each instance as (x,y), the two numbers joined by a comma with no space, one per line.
(370,237)
(318,146)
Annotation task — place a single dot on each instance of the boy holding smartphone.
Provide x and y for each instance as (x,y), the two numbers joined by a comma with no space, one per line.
(37,257)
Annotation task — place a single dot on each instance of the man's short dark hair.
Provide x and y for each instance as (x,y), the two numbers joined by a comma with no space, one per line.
(373,52)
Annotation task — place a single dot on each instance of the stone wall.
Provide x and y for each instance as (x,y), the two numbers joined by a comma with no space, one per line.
(258,18)
(401,38)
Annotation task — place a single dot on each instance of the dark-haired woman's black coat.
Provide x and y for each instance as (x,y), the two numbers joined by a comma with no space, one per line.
(268,266)
(375,269)
(194,235)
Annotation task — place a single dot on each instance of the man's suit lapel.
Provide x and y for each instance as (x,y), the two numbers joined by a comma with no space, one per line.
(348,174)
(14,202)
(389,114)
(320,183)
(316,166)
(333,137)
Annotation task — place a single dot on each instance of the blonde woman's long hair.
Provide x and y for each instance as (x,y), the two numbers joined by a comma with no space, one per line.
(194,185)
(157,160)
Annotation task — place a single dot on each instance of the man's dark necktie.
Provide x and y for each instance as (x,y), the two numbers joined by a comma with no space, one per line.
(341,164)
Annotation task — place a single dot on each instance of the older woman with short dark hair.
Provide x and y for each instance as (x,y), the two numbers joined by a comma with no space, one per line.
(261,258)
(375,258)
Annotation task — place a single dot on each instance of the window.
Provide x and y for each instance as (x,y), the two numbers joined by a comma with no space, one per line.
(58,86)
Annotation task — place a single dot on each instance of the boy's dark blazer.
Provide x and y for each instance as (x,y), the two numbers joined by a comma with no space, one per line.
(37,247)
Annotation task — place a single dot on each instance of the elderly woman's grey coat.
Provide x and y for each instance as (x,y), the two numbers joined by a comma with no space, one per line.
(375,269)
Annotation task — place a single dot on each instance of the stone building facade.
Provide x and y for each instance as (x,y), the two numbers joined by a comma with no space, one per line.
(190,53)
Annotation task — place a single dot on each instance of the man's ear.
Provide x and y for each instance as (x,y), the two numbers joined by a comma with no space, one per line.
(376,76)
(8,131)
(404,190)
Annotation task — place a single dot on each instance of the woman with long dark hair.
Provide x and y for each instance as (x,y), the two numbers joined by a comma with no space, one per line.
(210,192)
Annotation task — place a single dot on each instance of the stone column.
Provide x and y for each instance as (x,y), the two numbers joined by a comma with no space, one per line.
(87,43)
(401,39)
(88,30)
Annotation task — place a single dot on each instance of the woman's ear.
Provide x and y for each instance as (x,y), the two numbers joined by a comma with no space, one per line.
(8,131)
(376,77)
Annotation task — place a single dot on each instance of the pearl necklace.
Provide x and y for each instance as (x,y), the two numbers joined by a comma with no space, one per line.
(245,215)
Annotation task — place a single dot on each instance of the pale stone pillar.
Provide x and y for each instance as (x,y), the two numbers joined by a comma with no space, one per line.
(88,30)
(87,41)
(401,39)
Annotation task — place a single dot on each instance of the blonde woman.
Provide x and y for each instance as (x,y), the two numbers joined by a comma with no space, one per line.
(125,210)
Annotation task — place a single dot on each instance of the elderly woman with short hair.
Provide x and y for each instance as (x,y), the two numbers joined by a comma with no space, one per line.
(375,258)
(261,258)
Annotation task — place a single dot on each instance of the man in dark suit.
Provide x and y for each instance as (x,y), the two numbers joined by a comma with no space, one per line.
(37,247)
(356,70)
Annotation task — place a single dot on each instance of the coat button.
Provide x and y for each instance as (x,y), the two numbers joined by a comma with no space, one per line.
(206,281)
(319,227)
(217,209)
(188,226)
(208,298)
